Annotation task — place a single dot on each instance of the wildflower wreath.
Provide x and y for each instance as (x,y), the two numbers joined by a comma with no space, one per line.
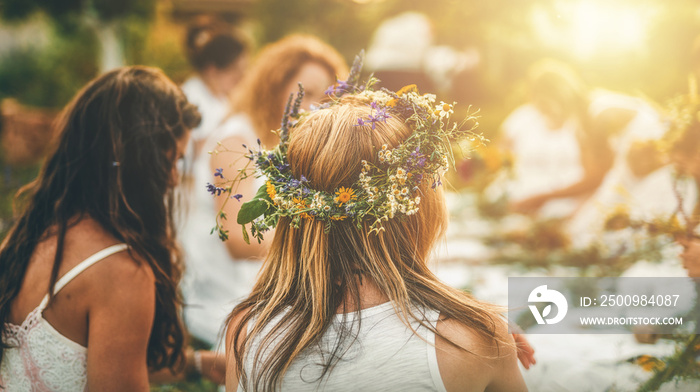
(385,190)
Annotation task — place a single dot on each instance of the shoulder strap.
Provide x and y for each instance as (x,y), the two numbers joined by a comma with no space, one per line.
(104,253)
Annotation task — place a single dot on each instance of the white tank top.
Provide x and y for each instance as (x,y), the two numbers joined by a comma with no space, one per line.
(387,356)
(40,358)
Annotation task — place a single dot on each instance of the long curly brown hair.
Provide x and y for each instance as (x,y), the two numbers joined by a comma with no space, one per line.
(113,162)
(259,95)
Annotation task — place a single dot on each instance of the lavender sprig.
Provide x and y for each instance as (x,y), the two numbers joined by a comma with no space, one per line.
(356,69)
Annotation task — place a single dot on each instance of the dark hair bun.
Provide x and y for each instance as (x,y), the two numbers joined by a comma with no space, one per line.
(213,43)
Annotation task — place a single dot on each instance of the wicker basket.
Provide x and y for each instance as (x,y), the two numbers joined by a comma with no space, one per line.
(26,132)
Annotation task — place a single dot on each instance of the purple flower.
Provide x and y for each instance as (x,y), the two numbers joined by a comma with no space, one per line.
(380,116)
(237,196)
(340,87)
(416,160)
(218,173)
(215,190)
(282,167)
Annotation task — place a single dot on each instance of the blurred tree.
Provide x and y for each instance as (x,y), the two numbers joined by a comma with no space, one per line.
(49,76)
(103,17)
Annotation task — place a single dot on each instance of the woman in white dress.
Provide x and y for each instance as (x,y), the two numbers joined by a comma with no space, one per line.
(219,55)
(219,274)
(589,132)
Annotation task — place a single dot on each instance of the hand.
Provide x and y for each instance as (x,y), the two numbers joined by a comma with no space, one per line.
(213,366)
(529,205)
(526,354)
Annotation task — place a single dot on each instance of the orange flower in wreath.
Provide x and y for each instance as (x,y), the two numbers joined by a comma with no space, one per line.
(344,195)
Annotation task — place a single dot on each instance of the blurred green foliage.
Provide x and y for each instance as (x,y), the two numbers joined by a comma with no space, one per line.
(12,178)
(105,10)
(155,46)
(187,386)
(50,76)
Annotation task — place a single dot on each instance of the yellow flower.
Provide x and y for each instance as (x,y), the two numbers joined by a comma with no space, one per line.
(404,90)
(407,89)
(344,195)
(649,363)
(300,205)
(271,190)
(338,217)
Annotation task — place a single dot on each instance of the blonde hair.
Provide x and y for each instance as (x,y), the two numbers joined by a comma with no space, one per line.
(310,272)
(261,94)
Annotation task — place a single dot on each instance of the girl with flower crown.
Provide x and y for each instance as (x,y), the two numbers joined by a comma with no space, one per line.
(345,300)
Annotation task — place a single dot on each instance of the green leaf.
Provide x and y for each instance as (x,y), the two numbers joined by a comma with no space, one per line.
(254,208)
(251,210)
(262,194)
(223,235)
(245,235)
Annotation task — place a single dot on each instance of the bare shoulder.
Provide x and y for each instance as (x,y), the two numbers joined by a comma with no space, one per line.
(476,342)
(478,360)
(233,324)
(115,273)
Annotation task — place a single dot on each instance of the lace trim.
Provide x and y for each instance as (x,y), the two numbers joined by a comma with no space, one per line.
(14,334)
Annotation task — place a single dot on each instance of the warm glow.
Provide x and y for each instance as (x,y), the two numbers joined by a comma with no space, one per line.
(591,27)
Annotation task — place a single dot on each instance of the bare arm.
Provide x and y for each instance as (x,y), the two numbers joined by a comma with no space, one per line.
(485,367)
(232,163)
(213,368)
(120,319)
(507,376)
(596,158)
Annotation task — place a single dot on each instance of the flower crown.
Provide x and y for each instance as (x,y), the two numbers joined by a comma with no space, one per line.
(385,190)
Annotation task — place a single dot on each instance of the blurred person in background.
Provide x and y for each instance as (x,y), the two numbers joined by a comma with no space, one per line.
(220,273)
(567,140)
(398,52)
(219,55)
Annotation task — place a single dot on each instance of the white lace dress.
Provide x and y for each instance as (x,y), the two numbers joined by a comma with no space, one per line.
(40,358)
